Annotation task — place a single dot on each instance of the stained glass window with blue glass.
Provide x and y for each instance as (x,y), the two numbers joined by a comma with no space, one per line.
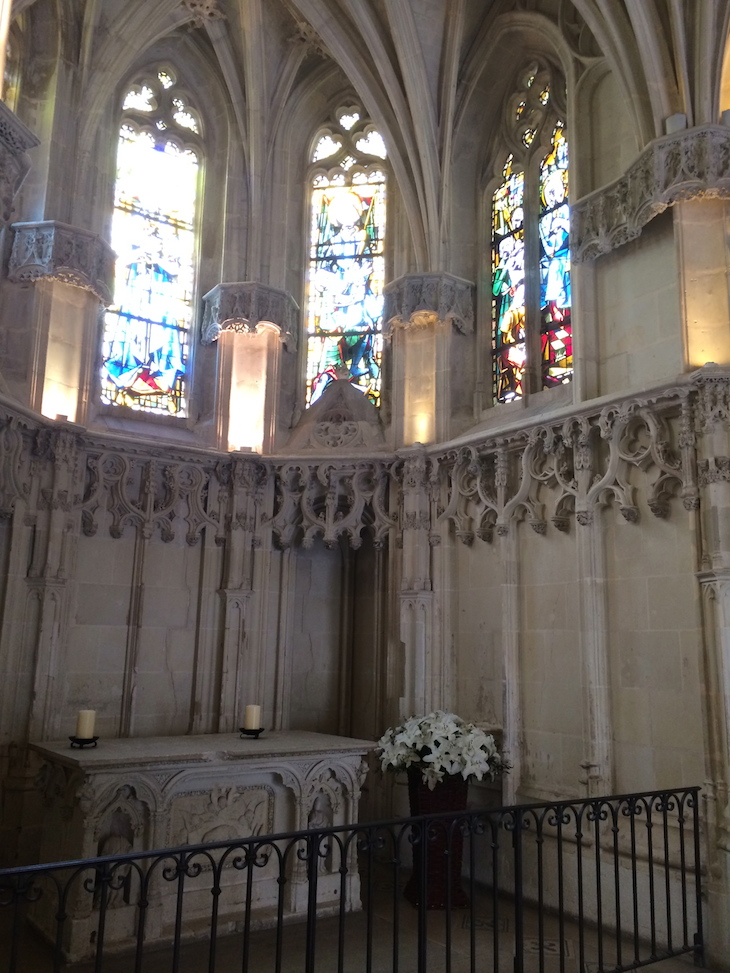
(146,335)
(530,243)
(346,263)
(556,333)
(508,285)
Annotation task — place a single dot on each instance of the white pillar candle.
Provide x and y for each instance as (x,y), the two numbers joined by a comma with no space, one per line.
(252,718)
(85,724)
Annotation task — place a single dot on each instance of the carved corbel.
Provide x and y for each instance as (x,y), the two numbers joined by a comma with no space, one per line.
(684,165)
(427,300)
(246,307)
(56,251)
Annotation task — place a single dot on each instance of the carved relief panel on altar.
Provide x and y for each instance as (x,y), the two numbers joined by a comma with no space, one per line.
(223,814)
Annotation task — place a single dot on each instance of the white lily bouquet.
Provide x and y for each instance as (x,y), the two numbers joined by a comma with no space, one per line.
(440,744)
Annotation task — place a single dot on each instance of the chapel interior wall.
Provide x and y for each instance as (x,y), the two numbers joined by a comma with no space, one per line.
(655,639)
(638,306)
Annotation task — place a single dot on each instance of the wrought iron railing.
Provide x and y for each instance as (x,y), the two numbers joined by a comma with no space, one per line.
(596,885)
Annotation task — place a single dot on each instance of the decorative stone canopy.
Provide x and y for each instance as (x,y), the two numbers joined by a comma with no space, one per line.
(241,306)
(67,253)
(423,300)
(15,140)
(684,165)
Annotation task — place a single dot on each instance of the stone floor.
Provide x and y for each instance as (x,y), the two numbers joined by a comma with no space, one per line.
(370,949)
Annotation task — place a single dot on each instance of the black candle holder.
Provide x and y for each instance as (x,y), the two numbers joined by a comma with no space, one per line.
(250,733)
(82,742)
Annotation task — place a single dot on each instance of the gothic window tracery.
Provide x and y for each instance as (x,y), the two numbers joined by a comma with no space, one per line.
(530,248)
(146,335)
(346,270)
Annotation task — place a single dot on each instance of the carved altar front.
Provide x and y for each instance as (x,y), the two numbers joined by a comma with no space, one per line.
(134,795)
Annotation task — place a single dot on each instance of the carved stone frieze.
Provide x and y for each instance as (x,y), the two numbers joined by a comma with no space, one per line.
(571,469)
(716,470)
(332,501)
(15,140)
(424,300)
(684,165)
(637,454)
(54,250)
(243,306)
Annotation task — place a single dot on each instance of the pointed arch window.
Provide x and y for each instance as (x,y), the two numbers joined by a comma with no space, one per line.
(147,332)
(346,270)
(532,346)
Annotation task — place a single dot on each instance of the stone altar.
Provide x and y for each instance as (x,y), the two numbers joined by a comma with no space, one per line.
(134,795)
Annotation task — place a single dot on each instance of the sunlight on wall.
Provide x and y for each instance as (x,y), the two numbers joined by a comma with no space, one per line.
(252,358)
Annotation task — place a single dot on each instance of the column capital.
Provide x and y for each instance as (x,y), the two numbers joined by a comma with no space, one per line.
(425,300)
(49,249)
(245,305)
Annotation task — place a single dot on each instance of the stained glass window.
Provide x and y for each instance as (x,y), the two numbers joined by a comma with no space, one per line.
(346,263)
(508,284)
(146,335)
(530,243)
(554,227)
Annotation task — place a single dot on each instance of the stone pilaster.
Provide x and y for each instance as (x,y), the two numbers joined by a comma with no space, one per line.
(416,595)
(250,321)
(427,316)
(712,428)
(15,140)
(73,273)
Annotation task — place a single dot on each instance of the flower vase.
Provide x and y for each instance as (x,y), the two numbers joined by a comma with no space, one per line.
(436,880)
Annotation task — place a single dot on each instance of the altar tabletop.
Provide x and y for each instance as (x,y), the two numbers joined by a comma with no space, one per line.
(112,754)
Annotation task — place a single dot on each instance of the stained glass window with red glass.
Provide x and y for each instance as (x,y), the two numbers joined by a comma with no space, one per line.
(146,334)
(530,244)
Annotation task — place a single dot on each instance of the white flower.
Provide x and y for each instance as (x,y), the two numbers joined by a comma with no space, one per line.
(441,743)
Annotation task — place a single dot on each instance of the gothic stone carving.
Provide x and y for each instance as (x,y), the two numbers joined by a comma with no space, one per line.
(202,11)
(15,140)
(60,252)
(573,467)
(341,418)
(684,165)
(240,307)
(422,300)
(223,814)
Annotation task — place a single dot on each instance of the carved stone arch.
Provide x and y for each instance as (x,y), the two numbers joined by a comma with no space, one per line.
(124,801)
(491,67)
(143,790)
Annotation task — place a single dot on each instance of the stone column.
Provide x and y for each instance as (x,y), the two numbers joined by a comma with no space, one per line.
(73,272)
(250,321)
(425,314)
